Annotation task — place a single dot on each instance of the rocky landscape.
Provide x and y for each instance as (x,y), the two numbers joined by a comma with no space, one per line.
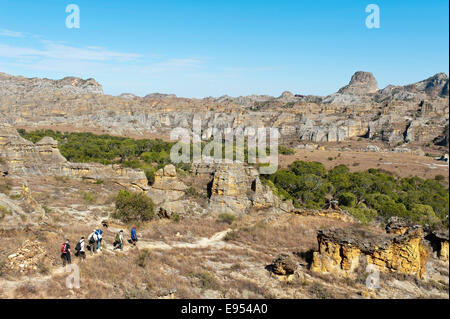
(220,230)
(415,114)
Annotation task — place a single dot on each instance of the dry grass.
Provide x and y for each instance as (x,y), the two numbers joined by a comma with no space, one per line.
(402,164)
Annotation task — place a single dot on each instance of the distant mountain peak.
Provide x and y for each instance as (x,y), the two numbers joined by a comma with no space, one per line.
(360,83)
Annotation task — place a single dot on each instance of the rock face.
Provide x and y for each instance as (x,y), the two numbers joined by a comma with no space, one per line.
(361,83)
(166,179)
(330,213)
(439,241)
(28,258)
(397,226)
(12,85)
(284,265)
(23,158)
(167,188)
(235,188)
(341,252)
(416,112)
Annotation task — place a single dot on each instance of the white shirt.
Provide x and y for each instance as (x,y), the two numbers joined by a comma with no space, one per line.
(82,245)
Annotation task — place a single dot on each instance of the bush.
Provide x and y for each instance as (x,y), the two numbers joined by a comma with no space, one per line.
(4,212)
(133,207)
(284,150)
(226,218)
(364,215)
(232,235)
(175,218)
(301,167)
(88,196)
(207,281)
(143,257)
(347,199)
(384,194)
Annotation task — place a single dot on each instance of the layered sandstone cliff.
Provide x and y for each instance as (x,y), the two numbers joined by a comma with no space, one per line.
(23,158)
(396,114)
(342,252)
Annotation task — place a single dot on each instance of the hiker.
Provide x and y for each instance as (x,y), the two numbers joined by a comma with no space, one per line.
(99,234)
(134,238)
(65,253)
(118,241)
(80,252)
(92,239)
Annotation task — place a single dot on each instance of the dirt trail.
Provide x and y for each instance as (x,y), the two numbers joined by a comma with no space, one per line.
(215,241)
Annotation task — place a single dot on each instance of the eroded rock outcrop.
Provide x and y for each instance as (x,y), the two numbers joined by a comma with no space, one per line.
(416,112)
(342,251)
(330,213)
(439,241)
(168,192)
(361,83)
(236,187)
(284,265)
(23,158)
(166,186)
(31,257)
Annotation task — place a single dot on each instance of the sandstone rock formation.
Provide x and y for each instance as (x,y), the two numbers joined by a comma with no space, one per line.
(439,241)
(23,158)
(17,85)
(284,265)
(330,213)
(29,258)
(236,188)
(341,252)
(397,226)
(361,83)
(396,114)
(168,192)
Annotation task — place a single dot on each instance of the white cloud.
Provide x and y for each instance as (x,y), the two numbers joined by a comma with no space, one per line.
(53,50)
(12,34)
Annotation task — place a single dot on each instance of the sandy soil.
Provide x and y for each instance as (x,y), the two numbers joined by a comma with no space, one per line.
(402,164)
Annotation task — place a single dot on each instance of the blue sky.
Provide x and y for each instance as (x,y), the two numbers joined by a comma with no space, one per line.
(212,48)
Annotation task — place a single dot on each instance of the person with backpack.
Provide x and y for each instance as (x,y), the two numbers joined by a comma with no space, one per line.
(80,252)
(118,241)
(65,253)
(92,239)
(99,234)
(134,238)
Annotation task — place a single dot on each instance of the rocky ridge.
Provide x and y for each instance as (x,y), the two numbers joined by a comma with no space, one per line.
(396,114)
(23,158)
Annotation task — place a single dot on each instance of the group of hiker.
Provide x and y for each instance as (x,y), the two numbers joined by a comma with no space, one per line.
(94,244)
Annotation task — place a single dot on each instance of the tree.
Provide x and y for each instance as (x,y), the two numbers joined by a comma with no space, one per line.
(133,207)
(347,199)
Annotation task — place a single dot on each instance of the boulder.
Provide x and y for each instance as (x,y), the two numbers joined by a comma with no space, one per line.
(284,265)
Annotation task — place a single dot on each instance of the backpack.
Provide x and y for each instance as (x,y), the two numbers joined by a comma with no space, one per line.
(92,238)
(63,248)
(78,246)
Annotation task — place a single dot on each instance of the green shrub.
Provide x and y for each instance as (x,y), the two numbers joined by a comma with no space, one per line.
(88,196)
(383,193)
(231,235)
(175,218)
(347,199)
(133,207)
(4,212)
(364,215)
(302,167)
(284,150)
(191,191)
(226,218)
